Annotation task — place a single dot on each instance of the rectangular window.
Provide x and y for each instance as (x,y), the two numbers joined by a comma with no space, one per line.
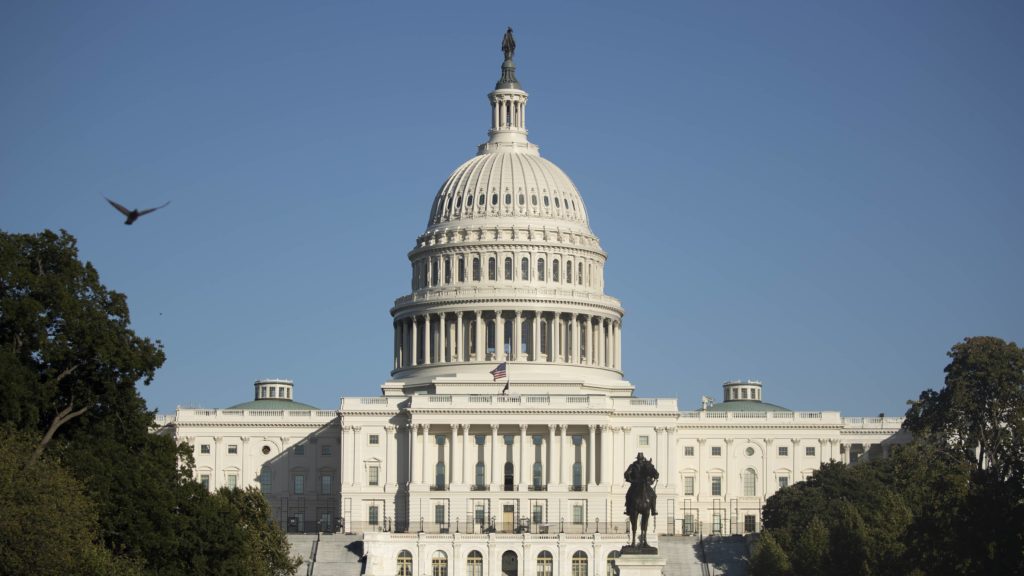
(749,523)
(204,448)
(809,450)
(325,483)
(479,514)
(716,485)
(266,486)
(232,448)
(688,486)
(716,450)
(439,517)
(577,513)
(374,473)
(204,479)
(462,269)
(374,439)
(232,481)
(325,450)
(538,514)
(783,482)
(299,482)
(687,450)
(783,450)
(373,515)
(716,523)
(688,524)
(300,449)
(645,440)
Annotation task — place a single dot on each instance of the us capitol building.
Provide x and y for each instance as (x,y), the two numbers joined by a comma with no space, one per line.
(451,466)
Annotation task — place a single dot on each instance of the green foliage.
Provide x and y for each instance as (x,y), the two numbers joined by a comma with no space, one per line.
(69,364)
(768,558)
(48,525)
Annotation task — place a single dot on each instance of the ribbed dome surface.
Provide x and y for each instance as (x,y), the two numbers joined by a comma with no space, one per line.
(501,184)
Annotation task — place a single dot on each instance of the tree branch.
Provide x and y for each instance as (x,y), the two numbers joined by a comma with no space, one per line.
(62,418)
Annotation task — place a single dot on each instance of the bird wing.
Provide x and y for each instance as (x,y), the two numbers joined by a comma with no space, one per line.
(120,208)
(148,210)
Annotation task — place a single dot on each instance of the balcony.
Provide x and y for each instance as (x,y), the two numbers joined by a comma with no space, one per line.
(438,487)
(578,488)
(538,488)
(479,487)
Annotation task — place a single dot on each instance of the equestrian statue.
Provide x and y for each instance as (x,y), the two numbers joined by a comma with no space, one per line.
(641,501)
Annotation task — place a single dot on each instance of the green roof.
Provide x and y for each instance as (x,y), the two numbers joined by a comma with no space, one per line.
(272,404)
(746,406)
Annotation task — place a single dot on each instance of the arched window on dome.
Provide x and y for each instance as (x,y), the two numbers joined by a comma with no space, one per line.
(447,270)
(508,268)
(433,272)
(590,274)
(555,270)
(462,269)
(525,269)
(579,563)
(404,563)
(476,269)
(492,269)
(490,338)
(544,337)
(579,275)
(568,272)
(540,269)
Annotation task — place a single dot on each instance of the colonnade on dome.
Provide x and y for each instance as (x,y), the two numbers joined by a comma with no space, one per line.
(501,335)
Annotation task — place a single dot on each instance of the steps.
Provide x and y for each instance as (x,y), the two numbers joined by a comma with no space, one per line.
(336,554)
(682,555)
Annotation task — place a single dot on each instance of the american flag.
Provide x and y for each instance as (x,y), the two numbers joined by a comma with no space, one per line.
(499,372)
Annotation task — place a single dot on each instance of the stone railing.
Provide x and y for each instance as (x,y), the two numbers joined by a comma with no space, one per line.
(880,422)
(204,414)
(716,417)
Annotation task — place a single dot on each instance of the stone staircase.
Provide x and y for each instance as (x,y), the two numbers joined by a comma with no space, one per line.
(333,555)
(682,555)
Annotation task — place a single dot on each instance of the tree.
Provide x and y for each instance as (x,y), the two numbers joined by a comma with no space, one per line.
(980,412)
(65,344)
(768,558)
(48,525)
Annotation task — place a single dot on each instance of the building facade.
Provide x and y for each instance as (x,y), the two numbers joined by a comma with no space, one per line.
(500,441)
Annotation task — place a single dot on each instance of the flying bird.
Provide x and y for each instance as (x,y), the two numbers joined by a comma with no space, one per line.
(133,215)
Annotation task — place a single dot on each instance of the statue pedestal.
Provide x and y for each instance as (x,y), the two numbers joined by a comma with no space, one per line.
(640,565)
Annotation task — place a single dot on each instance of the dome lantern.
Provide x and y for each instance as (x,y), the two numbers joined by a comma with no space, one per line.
(508,108)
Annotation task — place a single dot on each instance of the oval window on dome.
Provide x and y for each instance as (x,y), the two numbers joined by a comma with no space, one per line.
(533,199)
(480,200)
(494,199)
(547,201)
(522,199)
(556,202)
(458,202)
(469,201)
(508,199)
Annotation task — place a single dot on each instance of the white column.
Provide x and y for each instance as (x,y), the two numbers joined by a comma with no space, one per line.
(563,476)
(460,339)
(673,458)
(452,455)
(591,464)
(442,328)
(499,336)
(414,358)
(495,479)
(549,465)
(481,331)
(535,337)
(394,359)
(357,466)
(424,461)
(426,339)
(517,335)
(415,466)
(390,457)
(523,478)
(465,452)
(607,451)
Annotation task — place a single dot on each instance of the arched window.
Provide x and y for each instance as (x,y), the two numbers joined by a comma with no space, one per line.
(555,270)
(579,563)
(490,337)
(544,337)
(508,268)
(612,569)
(545,564)
(439,475)
(579,274)
(475,564)
(462,268)
(439,564)
(525,268)
(568,272)
(476,269)
(492,269)
(509,563)
(540,269)
(479,480)
(749,482)
(433,272)
(447,270)
(538,474)
(404,564)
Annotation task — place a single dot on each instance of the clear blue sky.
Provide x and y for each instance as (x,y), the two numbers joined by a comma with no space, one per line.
(822,195)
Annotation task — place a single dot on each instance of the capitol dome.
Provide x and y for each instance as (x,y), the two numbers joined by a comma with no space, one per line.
(508,272)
